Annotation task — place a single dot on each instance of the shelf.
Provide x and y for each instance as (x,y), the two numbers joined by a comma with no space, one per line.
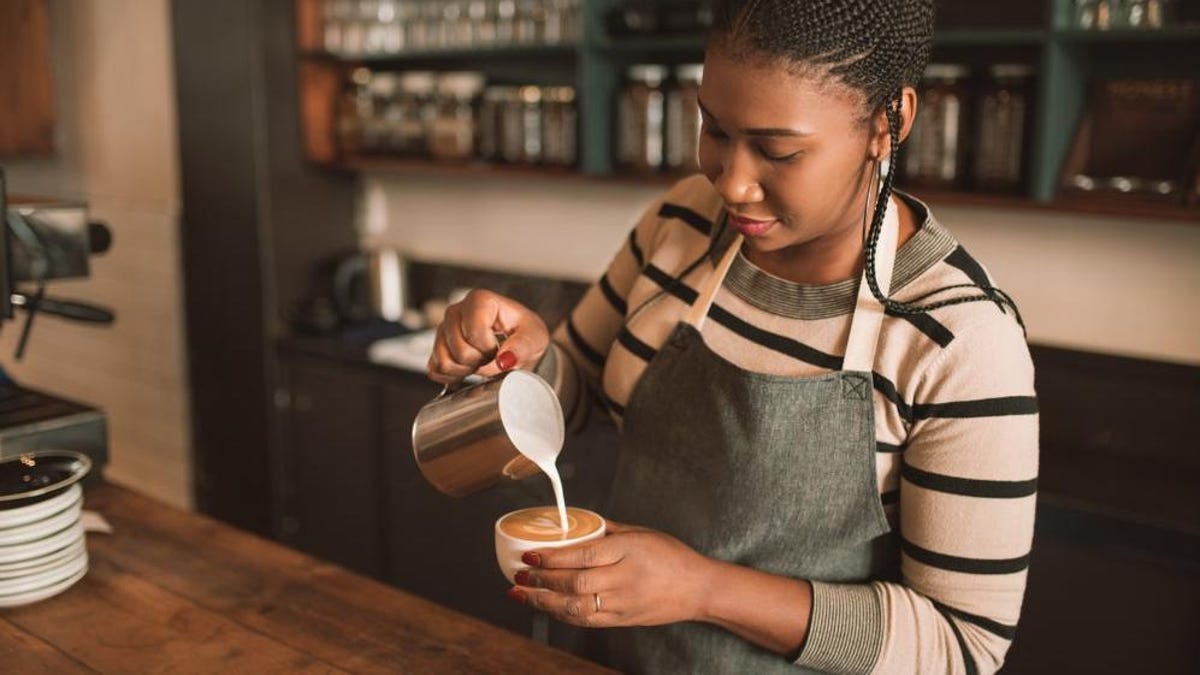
(1098,204)
(465,54)
(640,45)
(1176,34)
(962,37)
(694,44)
(1101,204)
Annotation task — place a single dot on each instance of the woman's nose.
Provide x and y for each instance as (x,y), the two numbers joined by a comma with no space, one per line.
(736,180)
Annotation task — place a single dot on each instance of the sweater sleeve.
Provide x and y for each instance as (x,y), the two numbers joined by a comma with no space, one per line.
(967,502)
(580,345)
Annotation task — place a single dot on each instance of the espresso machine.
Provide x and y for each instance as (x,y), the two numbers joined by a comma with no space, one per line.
(43,240)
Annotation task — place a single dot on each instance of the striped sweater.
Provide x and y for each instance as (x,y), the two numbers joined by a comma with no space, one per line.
(956,422)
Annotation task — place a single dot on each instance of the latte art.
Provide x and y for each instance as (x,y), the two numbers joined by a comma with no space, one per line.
(541,523)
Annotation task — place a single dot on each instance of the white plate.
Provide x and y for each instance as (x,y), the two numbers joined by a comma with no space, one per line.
(33,549)
(35,565)
(55,574)
(40,528)
(32,512)
(42,593)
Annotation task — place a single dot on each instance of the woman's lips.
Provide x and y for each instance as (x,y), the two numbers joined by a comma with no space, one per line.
(750,227)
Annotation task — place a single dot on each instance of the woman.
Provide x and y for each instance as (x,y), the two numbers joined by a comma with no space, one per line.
(829,434)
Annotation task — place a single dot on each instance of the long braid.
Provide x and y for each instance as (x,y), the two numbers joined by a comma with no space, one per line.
(990,293)
(872,46)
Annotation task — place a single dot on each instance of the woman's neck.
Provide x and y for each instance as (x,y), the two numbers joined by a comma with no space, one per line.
(834,257)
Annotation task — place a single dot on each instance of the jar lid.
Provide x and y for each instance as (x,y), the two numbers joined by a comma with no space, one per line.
(560,94)
(465,84)
(383,84)
(648,73)
(418,82)
(945,71)
(689,72)
(1011,71)
(531,94)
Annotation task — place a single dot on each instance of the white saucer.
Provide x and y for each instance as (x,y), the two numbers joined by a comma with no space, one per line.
(32,512)
(40,563)
(40,528)
(33,549)
(43,593)
(55,574)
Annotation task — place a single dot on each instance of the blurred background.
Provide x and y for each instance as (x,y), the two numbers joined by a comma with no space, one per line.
(296,188)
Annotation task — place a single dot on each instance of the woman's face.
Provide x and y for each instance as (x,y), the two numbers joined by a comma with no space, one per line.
(790,154)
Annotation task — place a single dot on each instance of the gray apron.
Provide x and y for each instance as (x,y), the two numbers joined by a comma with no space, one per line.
(774,473)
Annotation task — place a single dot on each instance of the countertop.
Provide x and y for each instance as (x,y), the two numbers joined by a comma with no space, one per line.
(173,591)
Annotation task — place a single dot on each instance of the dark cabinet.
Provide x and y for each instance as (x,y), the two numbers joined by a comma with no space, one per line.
(331,487)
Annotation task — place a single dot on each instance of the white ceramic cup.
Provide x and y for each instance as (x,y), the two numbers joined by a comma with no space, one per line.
(510,548)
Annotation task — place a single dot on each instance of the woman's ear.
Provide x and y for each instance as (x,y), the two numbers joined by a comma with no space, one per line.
(881,139)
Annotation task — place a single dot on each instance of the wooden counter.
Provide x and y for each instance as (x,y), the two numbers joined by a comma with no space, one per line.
(172,591)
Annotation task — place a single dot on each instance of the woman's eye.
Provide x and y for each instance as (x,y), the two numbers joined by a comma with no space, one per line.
(786,158)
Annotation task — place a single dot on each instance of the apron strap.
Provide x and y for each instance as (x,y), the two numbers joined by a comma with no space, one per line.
(708,291)
(868,312)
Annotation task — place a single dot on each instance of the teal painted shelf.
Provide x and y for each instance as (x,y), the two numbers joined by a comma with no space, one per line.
(1171,34)
(1066,60)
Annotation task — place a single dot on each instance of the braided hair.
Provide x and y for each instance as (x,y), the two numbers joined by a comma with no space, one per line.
(875,47)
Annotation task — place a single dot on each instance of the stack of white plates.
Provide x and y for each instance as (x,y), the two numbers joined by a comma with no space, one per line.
(42,550)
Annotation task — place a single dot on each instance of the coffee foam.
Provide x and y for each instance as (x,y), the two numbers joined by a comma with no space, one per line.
(541,523)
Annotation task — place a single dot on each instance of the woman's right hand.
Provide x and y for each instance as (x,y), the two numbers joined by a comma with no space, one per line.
(466,340)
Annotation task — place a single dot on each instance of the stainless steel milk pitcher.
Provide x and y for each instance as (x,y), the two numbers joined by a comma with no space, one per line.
(470,438)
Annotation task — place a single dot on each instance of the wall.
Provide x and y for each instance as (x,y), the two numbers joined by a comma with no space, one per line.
(1110,285)
(116,142)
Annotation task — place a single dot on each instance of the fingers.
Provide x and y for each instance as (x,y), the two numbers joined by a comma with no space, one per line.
(466,340)
(578,610)
(595,553)
(571,581)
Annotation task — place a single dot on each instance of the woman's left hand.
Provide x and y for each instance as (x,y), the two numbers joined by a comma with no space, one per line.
(631,577)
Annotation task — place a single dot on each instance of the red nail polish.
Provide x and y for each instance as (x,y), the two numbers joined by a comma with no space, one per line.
(506,360)
(517,595)
(522,578)
(532,559)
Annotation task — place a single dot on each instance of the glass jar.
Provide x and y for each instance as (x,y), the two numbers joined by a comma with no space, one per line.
(374,125)
(528,22)
(640,116)
(1002,125)
(483,22)
(532,124)
(1093,14)
(683,119)
(935,151)
(337,14)
(453,136)
(512,114)
(416,109)
(1140,13)
(489,124)
(506,12)
(560,130)
(353,109)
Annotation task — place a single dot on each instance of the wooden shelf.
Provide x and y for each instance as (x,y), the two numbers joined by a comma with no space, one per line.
(1098,204)
(464,54)
(1101,204)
